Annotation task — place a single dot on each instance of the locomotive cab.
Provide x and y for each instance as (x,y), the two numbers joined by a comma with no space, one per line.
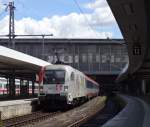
(56,83)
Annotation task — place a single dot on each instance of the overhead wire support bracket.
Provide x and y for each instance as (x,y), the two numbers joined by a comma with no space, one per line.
(11,34)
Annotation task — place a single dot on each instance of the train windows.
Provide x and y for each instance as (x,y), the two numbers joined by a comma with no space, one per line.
(30,87)
(36,87)
(0,85)
(17,86)
(54,77)
(89,84)
(72,76)
(5,86)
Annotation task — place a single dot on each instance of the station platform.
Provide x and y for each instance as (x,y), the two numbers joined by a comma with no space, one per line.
(15,108)
(136,113)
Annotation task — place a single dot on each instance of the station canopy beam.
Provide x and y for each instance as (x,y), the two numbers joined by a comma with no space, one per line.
(24,66)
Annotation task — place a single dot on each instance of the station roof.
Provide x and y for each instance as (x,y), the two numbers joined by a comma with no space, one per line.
(22,65)
(64,40)
(133,18)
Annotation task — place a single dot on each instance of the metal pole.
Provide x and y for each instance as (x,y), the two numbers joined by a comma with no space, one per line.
(78,58)
(10,14)
(33,87)
(143,87)
(99,58)
(43,46)
(110,59)
(11,25)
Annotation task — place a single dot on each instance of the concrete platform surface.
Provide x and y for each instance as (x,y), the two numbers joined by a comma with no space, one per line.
(136,113)
(16,102)
(15,108)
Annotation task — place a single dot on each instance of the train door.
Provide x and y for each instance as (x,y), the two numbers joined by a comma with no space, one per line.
(82,87)
(71,84)
(77,85)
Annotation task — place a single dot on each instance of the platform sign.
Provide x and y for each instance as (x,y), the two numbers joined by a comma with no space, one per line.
(137,50)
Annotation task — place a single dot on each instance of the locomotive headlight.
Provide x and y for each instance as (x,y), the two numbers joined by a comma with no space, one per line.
(65,88)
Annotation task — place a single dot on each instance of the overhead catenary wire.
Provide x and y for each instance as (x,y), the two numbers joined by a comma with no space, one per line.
(85,17)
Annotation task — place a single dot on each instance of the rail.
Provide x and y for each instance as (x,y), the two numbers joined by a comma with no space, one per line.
(85,118)
(27,119)
(112,107)
(80,122)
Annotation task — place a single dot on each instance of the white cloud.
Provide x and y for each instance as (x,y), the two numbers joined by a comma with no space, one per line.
(101,13)
(73,25)
(4,25)
(97,4)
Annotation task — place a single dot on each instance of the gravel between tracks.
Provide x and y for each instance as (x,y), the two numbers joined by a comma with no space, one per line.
(76,114)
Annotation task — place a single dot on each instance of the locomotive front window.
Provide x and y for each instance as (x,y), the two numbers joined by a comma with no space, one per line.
(54,77)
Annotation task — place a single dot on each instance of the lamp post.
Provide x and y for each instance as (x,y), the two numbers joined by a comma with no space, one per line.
(43,44)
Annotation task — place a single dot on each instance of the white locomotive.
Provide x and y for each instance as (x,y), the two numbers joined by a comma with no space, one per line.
(64,84)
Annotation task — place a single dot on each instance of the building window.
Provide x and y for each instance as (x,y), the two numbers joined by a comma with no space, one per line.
(70,59)
(112,59)
(97,58)
(104,58)
(76,59)
(84,59)
(50,59)
(90,57)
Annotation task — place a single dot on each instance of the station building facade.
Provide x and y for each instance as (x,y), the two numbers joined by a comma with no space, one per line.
(91,56)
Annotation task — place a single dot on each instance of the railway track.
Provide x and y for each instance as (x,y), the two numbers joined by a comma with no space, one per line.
(79,122)
(84,121)
(99,118)
(76,116)
(73,118)
(28,119)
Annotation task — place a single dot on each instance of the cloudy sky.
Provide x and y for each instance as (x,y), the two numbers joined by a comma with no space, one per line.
(62,18)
